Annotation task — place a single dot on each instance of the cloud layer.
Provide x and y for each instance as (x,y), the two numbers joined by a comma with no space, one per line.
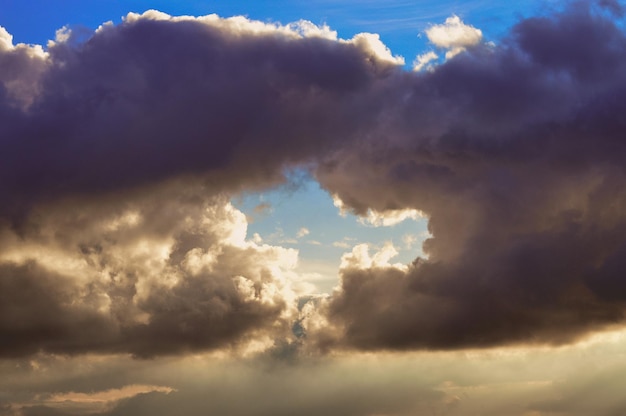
(119,154)
(516,155)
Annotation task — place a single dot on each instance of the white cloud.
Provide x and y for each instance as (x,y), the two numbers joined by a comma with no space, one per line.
(302,232)
(23,66)
(94,402)
(454,35)
(107,395)
(370,42)
(310,30)
(378,218)
(63,34)
(389,218)
(337,202)
(6,40)
(341,244)
(123,267)
(367,42)
(422,61)
(360,258)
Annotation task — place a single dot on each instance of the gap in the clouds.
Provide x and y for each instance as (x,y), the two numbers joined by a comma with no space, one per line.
(303,216)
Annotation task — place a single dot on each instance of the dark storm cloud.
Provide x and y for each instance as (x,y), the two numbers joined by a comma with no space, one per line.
(516,154)
(154,98)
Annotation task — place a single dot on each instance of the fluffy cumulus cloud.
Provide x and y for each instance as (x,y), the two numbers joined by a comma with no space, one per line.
(454,35)
(20,67)
(159,271)
(118,156)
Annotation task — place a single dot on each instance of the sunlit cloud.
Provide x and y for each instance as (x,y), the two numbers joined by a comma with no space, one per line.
(424,60)
(454,35)
(302,232)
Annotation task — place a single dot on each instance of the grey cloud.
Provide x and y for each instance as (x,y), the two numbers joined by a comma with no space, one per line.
(115,230)
(152,99)
(613,6)
(207,385)
(516,154)
(20,68)
(37,308)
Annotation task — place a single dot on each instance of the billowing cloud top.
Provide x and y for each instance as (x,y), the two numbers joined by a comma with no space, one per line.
(454,35)
(118,155)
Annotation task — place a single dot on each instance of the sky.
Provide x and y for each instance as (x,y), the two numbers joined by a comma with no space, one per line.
(315,208)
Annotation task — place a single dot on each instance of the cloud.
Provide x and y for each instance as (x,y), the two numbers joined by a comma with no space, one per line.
(515,155)
(158,97)
(79,403)
(389,218)
(263,208)
(303,232)
(379,218)
(453,35)
(613,6)
(118,159)
(422,61)
(360,258)
(161,271)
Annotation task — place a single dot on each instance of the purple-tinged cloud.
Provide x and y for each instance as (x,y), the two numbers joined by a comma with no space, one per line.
(161,271)
(516,154)
(116,163)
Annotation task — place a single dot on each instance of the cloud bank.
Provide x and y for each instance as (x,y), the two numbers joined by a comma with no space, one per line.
(159,272)
(515,153)
(119,154)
